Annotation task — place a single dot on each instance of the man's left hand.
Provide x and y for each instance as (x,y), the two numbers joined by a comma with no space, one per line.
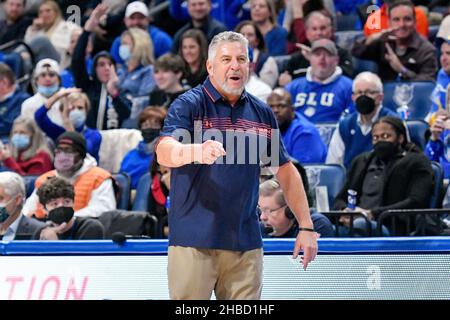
(392,58)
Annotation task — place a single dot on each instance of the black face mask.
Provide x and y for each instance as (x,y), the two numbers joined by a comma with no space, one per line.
(385,150)
(365,104)
(60,215)
(150,134)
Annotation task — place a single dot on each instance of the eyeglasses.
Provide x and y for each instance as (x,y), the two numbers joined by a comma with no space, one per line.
(269,212)
(366,93)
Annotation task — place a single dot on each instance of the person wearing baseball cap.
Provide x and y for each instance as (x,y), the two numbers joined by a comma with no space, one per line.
(137,16)
(324,94)
(94,192)
(46,82)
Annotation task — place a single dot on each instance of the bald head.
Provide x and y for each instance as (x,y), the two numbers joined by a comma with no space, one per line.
(279,96)
(280,103)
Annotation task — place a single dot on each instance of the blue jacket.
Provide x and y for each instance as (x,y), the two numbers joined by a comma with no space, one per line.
(276,41)
(162,43)
(303,142)
(439,151)
(136,163)
(210,28)
(137,83)
(229,12)
(10,110)
(439,94)
(355,142)
(53,131)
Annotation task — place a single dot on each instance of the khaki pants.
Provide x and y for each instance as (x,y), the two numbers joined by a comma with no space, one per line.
(194,273)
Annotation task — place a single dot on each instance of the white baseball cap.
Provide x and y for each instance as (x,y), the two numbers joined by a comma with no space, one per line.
(134,7)
(45,65)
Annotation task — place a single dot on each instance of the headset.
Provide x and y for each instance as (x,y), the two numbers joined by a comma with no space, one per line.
(288,213)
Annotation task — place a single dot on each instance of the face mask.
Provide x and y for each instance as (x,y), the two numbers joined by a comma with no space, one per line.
(365,104)
(150,134)
(124,52)
(385,150)
(20,141)
(3,212)
(48,91)
(77,117)
(60,215)
(64,161)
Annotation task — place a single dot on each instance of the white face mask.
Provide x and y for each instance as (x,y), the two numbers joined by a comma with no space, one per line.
(77,117)
(124,52)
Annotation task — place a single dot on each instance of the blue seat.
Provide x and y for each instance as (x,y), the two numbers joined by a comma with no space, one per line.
(140,202)
(326,130)
(123,181)
(417,95)
(348,22)
(282,62)
(417,132)
(29,184)
(361,65)
(438,183)
(330,175)
(432,33)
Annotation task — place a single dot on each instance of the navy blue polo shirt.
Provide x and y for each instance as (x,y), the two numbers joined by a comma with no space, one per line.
(214,206)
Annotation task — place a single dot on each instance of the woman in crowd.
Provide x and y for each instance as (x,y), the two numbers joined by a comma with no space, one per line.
(75,106)
(50,23)
(263,14)
(27,152)
(137,161)
(136,76)
(194,51)
(264,66)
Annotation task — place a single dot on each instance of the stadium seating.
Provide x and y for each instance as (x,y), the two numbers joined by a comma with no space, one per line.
(326,130)
(415,94)
(123,196)
(418,131)
(140,202)
(361,65)
(330,175)
(29,184)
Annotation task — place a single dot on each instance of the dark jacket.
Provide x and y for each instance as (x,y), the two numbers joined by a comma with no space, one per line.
(210,28)
(92,86)
(419,58)
(408,183)
(29,228)
(15,31)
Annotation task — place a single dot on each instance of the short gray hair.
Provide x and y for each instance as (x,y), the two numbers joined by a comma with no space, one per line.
(315,15)
(226,36)
(272,188)
(369,77)
(12,183)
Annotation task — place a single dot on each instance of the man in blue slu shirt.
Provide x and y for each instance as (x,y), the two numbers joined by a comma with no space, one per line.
(325,93)
(215,241)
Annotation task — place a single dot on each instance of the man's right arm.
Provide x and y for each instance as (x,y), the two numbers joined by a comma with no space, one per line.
(174,154)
